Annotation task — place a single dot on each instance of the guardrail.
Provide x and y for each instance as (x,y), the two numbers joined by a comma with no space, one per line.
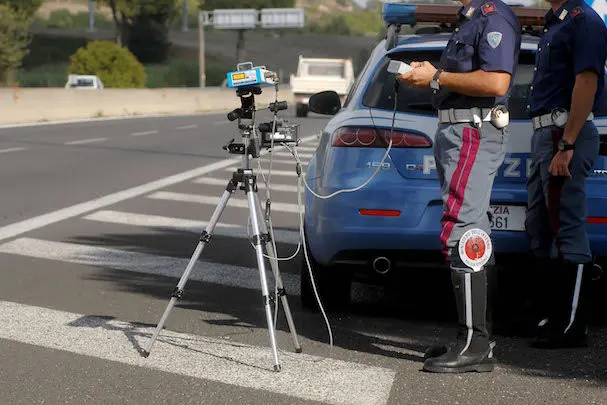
(30,105)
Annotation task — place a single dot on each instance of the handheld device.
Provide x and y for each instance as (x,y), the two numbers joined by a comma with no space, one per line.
(398,68)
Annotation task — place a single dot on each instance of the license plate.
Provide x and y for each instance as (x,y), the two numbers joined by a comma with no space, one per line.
(507,217)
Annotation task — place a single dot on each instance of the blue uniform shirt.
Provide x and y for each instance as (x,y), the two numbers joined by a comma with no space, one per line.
(487,37)
(574,39)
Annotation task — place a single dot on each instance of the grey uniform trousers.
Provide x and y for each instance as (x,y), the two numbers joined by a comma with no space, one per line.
(467,160)
(556,209)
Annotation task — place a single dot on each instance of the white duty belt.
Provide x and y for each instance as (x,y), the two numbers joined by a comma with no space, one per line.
(458,116)
(557,118)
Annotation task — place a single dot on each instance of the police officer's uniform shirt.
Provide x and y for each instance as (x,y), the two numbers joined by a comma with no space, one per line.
(573,40)
(487,38)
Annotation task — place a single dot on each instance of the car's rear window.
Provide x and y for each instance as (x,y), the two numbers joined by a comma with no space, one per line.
(380,92)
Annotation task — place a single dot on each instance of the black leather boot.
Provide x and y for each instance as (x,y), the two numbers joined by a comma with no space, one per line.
(491,278)
(567,323)
(472,350)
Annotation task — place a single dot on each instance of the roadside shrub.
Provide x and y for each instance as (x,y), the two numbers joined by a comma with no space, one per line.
(60,18)
(115,65)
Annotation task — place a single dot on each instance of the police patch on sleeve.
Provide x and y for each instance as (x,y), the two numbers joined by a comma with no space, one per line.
(494,39)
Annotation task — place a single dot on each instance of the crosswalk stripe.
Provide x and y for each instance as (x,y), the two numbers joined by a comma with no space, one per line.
(302,376)
(273,187)
(232,202)
(181,224)
(301,155)
(306,148)
(290,173)
(208,272)
(266,162)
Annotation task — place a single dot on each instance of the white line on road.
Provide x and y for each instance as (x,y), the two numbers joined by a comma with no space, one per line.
(184,225)
(290,173)
(222,122)
(187,127)
(266,162)
(232,202)
(84,141)
(9,150)
(273,187)
(303,376)
(305,148)
(18,228)
(288,154)
(144,133)
(204,271)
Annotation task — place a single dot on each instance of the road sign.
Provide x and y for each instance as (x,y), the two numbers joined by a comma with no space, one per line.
(235,19)
(282,18)
(600,6)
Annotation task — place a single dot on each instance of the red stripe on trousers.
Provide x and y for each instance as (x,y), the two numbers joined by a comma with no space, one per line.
(459,181)
(555,188)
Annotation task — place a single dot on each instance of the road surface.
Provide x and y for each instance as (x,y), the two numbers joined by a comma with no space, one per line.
(97,222)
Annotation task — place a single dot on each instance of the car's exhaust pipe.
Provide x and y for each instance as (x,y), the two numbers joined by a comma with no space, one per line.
(382,265)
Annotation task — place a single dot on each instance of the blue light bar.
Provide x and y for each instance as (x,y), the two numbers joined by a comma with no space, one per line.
(398,13)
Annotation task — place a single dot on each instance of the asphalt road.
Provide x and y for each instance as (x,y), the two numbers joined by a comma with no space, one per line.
(97,223)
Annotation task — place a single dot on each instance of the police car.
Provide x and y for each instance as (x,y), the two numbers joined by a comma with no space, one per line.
(394,221)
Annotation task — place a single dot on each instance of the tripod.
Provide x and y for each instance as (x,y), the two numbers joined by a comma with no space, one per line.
(243,179)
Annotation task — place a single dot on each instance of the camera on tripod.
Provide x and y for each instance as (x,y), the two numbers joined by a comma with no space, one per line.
(248,82)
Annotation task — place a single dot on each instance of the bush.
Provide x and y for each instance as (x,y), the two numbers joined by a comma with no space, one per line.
(115,65)
(61,18)
(43,76)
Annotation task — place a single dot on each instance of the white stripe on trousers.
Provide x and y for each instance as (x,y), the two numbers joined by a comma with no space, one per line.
(576,295)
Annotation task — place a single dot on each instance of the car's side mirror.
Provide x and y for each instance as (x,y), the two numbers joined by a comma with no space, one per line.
(325,102)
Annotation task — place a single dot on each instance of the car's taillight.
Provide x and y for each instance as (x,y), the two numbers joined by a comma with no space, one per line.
(597,220)
(603,145)
(369,137)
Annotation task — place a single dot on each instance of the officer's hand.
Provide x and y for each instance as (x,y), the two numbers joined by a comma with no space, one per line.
(420,76)
(560,164)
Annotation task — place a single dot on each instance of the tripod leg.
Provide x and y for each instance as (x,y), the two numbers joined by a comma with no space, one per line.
(205,237)
(282,293)
(262,269)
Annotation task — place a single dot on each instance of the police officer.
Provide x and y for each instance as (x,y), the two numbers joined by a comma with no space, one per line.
(472,86)
(566,88)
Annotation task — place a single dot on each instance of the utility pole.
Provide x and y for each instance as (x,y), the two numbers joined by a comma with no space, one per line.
(184,17)
(91,15)
(201,62)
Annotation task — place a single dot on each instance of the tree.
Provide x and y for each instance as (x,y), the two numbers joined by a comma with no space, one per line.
(15,19)
(114,64)
(143,26)
(25,8)
(256,4)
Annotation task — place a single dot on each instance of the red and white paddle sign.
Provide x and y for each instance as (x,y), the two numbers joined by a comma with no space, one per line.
(475,249)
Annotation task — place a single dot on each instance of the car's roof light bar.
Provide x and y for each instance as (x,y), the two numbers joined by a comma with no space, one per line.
(411,14)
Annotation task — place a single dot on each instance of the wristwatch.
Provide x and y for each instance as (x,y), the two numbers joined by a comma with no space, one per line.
(435,83)
(564,145)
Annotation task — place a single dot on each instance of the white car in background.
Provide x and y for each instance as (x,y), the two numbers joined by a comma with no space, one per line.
(84,82)
(319,74)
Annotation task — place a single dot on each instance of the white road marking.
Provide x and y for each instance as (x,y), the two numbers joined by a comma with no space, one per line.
(204,271)
(303,376)
(144,133)
(18,228)
(9,150)
(85,141)
(288,154)
(290,173)
(187,127)
(232,202)
(273,187)
(306,148)
(185,225)
(266,162)
(222,122)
